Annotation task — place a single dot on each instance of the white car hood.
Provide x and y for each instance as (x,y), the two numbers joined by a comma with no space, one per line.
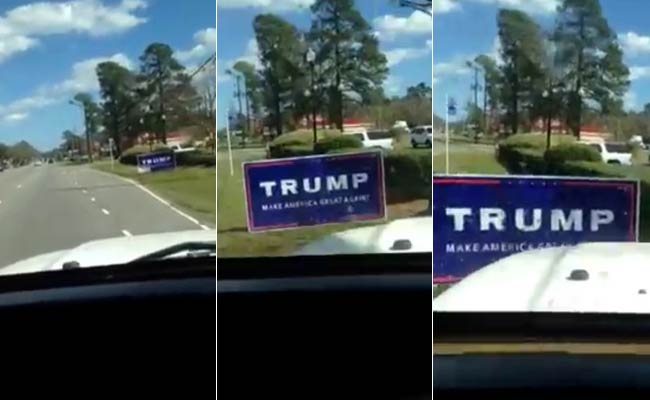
(376,239)
(538,281)
(118,250)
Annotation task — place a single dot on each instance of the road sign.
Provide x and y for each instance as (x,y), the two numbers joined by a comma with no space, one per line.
(480,219)
(451,107)
(314,190)
(152,162)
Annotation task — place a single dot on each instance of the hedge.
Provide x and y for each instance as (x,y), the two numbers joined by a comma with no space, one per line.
(572,152)
(336,143)
(408,176)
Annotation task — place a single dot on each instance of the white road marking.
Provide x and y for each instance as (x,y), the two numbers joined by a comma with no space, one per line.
(0,201)
(92,199)
(105,211)
(126,233)
(84,191)
(155,196)
(19,186)
(205,228)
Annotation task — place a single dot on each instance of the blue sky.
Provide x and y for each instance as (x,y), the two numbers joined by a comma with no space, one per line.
(463,29)
(405,38)
(49,50)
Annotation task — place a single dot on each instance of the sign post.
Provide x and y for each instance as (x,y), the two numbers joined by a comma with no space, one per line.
(481,219)
(450,109)
(314,190)
(232,170)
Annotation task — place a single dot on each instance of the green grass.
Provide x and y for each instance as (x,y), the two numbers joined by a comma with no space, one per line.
(236,241)
(469,163)
(190,188)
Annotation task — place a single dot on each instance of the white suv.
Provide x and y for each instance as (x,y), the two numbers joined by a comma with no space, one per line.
(422,136)
(612,153)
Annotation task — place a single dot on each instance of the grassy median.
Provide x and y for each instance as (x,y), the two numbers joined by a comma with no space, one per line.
(190,188)
(234,238)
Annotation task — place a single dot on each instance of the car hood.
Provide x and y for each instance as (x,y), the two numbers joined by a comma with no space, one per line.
(113,251)
(385,238)
(590,277)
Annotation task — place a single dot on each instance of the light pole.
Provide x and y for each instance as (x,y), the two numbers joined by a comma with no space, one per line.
(310,57)
(547,95)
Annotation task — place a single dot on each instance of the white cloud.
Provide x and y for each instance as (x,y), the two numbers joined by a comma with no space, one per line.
(530,6)
(393,85)
(639,72)
(15,117)
(430,44)
(14,45)
(629,101)
(274,5)
(20,26)
(390,26)
(634,43)
(451,68)
(445,6)
(84,75)
(396,56)
(77,16)
(251,55)
(206,40)
(83,78)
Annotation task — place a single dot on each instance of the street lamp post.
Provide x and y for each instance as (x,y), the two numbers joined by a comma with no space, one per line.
(547,97)
(311,58)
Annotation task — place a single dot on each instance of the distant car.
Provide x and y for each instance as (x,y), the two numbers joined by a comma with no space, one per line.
(612,153)
(50,161)
(422,136)
(376,139)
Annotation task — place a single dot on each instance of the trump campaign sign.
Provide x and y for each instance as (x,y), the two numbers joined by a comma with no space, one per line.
(152,162)
(480,219)
(314,190)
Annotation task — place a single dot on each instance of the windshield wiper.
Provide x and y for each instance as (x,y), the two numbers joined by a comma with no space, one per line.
(192,249)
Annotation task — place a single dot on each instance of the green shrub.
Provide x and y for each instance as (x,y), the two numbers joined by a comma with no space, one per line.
(408,176)
(337,143)
(535,140)
(279,151)
(196,158)
(571,152)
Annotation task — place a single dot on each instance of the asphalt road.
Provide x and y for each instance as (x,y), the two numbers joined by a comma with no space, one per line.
(54,207)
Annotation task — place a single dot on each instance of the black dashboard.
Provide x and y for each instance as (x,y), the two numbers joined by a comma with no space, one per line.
(338,326)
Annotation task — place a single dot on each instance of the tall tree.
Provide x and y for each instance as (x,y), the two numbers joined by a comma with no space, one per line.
(589,51)
(117,85)
(280,51)
(492,81)
(166,82)
(420,91)
(347,52)
(522,52)
(253,84)
(92,115)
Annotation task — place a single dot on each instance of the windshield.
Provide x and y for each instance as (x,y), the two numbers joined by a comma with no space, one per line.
(294,175)
(617,147)
(535,207)
(96,95)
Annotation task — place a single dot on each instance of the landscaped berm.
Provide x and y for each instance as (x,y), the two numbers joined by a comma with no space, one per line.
(408,191)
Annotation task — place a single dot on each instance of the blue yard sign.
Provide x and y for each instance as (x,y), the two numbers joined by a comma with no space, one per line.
(315,190)
(480,219)
(152,162)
